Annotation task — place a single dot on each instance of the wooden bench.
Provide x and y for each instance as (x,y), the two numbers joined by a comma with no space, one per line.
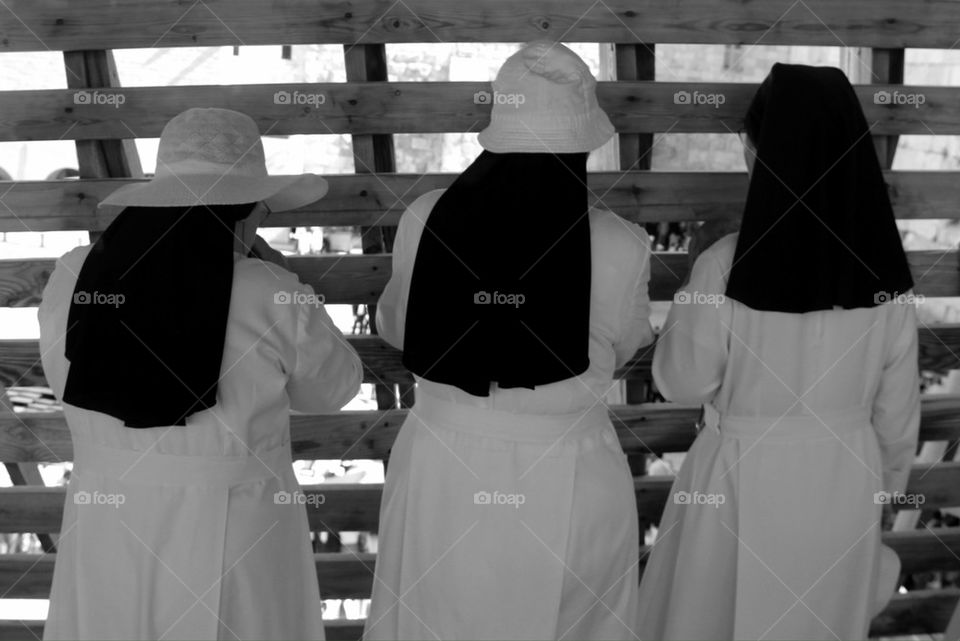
(371,110)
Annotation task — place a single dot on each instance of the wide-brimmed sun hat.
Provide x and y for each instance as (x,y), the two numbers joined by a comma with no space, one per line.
(544,100)
(215,157)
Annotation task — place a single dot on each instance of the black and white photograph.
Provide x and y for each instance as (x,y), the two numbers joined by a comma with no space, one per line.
(500,320)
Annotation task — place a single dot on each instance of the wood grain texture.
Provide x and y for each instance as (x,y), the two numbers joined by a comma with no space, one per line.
(56,25)
(43,437)
(358,107)
(349,279)
(28,630)
(343,575)
(939,346)
(379,199)
(356,507)
(919,612)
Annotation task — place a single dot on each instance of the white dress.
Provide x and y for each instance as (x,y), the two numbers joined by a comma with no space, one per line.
(513,516)
(194,532)
(772,530)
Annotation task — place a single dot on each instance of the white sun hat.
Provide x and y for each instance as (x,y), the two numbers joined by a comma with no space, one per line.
(544,100)
(215,157)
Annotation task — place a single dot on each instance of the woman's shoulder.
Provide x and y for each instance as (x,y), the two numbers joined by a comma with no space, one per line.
(721,252)
(255,275)
(617,235)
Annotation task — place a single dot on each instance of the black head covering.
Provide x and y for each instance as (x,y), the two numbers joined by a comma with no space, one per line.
(500,290)
(838,245)
(147,323)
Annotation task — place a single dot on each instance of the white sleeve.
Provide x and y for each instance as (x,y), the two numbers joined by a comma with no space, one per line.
(328,372)
(392,306)
(635,329)
(692,350)
(53,315)
(896,407)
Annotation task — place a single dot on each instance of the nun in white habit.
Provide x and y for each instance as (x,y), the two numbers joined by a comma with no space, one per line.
(799,335)
(178,354)
(508,510)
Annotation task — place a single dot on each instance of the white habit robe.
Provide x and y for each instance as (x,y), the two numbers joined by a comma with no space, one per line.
(195,532)
(513,516)
(772,529)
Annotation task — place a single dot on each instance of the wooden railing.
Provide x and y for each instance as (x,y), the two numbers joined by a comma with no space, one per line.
(370,111)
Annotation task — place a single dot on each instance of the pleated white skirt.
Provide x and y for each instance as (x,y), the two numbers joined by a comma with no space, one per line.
(159,546)
(791,549)
(496,525)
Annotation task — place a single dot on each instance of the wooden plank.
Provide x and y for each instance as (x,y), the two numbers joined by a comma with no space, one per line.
(918,612)
(43,437)
(100,158)
(53,24)
(372,153)
(353,279)
(426,107)
(638,196)
(350,575)
(29,630)
(20,359)
(341,575)
(356,507)
(343,507)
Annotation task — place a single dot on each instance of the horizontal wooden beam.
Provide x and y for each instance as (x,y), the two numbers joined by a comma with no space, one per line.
(401,107)
(42,25)
(379,199)
(30,630)
(352,279)
(355,507)
(20,359)
(343,575)
(919,612)
(43,437)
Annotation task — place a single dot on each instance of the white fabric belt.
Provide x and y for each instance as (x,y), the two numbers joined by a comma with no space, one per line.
(818,425)
(152,468)
(510,426)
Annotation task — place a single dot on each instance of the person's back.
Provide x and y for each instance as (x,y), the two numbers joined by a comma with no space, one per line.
(507,470)
(840,367)
(798,335)
(273,324)
(619,309)
(177,361)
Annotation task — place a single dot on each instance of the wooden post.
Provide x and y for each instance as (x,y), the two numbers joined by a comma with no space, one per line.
(25,473)
(372,153)
(100,158)
(636,62)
